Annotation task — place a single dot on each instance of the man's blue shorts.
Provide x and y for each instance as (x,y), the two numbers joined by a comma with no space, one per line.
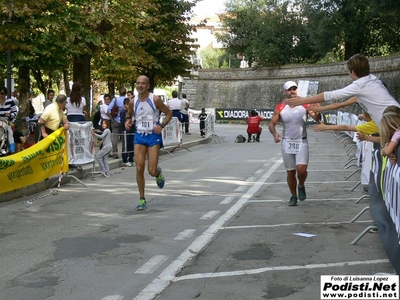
(148,139)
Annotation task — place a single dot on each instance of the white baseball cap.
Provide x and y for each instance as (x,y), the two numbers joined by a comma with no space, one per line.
(289,84)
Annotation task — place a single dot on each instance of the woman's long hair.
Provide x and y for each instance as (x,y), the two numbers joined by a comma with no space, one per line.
(75,95)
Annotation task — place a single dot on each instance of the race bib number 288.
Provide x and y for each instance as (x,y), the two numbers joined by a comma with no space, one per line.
(292,146)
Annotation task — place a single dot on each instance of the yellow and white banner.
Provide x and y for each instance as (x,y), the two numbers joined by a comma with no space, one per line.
(34,164)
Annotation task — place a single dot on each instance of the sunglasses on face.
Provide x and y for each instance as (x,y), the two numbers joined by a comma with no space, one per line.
(293,88)
(2,93)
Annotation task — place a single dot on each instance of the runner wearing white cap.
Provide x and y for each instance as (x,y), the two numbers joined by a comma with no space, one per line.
(295,151)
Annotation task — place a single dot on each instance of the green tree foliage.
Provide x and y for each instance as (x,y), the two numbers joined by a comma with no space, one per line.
(271,32)
(118,40)
(353,26)
(214,58)
(267,34)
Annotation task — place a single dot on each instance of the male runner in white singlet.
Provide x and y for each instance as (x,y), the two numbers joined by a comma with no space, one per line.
(295,151)
(146,107)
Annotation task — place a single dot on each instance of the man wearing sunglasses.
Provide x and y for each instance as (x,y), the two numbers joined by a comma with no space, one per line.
(8,109)
(294,148)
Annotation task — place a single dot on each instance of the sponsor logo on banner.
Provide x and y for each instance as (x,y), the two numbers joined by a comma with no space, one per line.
(171,133)
(80,143)
(35,164)
(359,287)
(241,114)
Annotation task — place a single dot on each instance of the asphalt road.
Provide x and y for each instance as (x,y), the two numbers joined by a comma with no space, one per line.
(220,229)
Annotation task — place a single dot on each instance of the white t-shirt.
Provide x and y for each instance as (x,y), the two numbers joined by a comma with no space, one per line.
(174,104)
(184,103)
(72,109)
(371,94)
(103,112)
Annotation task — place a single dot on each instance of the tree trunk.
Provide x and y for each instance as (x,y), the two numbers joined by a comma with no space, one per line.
(23,97)
(66,82)
(111,87)
(81,73)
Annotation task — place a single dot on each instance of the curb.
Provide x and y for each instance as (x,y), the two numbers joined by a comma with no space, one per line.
(81,173)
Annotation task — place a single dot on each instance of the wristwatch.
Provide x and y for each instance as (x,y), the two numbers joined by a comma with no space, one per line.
(162,125)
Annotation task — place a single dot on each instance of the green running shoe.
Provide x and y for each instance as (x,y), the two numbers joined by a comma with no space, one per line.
(160,180)
(141,205)
(293,201)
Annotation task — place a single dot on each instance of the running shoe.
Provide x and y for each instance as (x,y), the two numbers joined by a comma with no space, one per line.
(293,201)
(141,205)
(160,178)
(302,193)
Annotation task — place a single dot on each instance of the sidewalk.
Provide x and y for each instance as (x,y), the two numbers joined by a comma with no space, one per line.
(187,141)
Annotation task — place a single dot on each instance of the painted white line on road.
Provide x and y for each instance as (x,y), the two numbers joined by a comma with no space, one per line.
(314,182)
(251,179)
(114,297)
(210,215)
(281,268)
(155,287)
(308,200)
(184,235)
(293,224)
(227,200)
(240,188)
(259,171)
(152,264)
(319,170)
(267,164)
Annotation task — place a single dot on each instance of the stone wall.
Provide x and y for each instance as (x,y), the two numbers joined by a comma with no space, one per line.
(262,88)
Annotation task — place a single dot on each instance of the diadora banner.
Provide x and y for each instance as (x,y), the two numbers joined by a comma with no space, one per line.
(230,114)
(41,161)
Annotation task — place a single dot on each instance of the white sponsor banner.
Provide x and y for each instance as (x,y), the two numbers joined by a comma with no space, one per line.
(171,134)
(307,88)
(359,287)
(366,158)
(80,143)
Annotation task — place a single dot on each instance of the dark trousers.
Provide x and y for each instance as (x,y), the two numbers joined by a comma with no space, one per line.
(185,121)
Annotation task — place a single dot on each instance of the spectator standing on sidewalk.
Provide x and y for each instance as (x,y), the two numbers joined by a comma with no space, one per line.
(185,115)
(104,108)
(53,117)
(127,137)
(146,108)
(49,99)
(174,105)
(116,120)
(202,118)
(295,152)
(76,104)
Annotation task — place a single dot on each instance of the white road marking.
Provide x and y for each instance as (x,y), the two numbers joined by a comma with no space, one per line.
(280,268)
(155,287)
(315,182)
(251,179)
(308,200)
(184,235)
(293,224)
(210,215)
(227,200)
(259,171)
(113,297)
(152,264)
(240,188)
